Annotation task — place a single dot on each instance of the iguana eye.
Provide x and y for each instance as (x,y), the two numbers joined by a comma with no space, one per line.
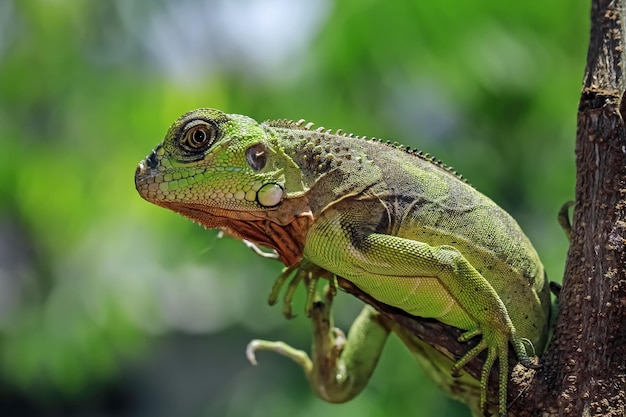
(198,137)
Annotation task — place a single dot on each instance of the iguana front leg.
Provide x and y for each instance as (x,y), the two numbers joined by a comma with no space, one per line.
(423,280)
(338,368)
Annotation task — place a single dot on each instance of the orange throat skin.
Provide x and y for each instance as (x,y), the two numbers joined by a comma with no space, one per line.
(287,240)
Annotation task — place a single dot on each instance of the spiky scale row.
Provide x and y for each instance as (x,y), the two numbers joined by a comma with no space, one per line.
(303,125)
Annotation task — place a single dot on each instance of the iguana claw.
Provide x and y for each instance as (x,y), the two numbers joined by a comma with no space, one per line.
(310,274)
(298,356)
(564,219)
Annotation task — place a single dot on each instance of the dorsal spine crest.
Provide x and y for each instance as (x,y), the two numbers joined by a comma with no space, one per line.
(303,125)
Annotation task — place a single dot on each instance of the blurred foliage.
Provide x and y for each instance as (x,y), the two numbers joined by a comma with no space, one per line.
(112,306)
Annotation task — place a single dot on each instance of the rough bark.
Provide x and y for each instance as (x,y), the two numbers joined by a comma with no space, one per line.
(585,365)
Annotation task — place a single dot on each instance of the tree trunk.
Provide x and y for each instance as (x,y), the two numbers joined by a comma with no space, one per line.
(584,369)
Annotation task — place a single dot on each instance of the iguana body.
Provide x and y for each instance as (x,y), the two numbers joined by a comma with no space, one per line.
(400,226)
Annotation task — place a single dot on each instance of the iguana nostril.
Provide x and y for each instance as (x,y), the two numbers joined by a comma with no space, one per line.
(151,160)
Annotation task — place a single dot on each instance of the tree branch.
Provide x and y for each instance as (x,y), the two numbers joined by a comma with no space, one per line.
(444,339)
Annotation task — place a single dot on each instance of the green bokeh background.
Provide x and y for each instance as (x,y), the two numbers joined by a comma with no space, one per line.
(110,306)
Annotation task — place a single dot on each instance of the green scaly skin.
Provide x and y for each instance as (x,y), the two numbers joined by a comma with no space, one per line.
(397,224)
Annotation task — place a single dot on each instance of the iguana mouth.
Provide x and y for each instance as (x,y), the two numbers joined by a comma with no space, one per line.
(140,172)
(144,172)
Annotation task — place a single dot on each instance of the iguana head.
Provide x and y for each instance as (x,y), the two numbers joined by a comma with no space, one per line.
(214,160)
(227,171)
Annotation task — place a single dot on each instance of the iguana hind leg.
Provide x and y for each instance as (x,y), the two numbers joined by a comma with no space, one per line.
(339,367)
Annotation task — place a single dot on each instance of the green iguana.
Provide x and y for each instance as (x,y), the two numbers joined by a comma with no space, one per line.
(397,224)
